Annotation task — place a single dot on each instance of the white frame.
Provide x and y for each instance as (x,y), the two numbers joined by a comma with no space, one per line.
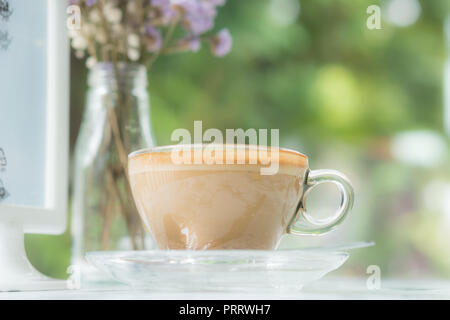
(52,218)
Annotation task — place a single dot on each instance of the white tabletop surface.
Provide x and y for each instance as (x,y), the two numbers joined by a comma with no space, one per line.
(327,288)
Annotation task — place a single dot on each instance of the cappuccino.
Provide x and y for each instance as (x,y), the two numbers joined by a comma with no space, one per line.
(227,206)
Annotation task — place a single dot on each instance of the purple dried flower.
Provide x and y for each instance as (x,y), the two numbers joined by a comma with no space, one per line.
(160,3)
(197,15)
(165,11)
(195,44)
(90,3)
(221,43)
(192,43)
(217,2)
(153,38)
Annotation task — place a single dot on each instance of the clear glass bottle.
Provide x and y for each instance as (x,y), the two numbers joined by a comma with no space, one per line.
(116,122)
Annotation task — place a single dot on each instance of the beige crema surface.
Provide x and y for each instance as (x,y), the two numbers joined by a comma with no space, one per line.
(215,206)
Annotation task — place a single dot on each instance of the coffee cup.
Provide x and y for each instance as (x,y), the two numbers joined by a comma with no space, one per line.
(197,197)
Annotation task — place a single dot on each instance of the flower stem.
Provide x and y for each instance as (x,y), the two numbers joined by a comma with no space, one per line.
(167,39)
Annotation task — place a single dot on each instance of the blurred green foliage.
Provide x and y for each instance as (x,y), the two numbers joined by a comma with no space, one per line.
(325,76)
(330,85)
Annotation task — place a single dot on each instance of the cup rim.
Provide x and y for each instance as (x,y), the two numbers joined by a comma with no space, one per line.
(168,148)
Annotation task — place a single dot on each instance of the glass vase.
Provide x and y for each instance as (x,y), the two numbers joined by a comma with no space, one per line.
(116,122)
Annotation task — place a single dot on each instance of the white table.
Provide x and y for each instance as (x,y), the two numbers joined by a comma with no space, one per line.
(328,288)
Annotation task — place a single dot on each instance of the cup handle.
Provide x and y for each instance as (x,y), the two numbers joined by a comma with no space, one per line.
(304,224)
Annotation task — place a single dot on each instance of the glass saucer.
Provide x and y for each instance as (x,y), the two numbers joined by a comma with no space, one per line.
(221,270)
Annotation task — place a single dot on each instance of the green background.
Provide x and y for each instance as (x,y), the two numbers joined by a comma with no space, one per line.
(339,93)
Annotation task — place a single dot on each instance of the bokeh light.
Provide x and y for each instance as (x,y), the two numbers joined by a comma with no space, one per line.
(403,13)
(284,12)
(420,148)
